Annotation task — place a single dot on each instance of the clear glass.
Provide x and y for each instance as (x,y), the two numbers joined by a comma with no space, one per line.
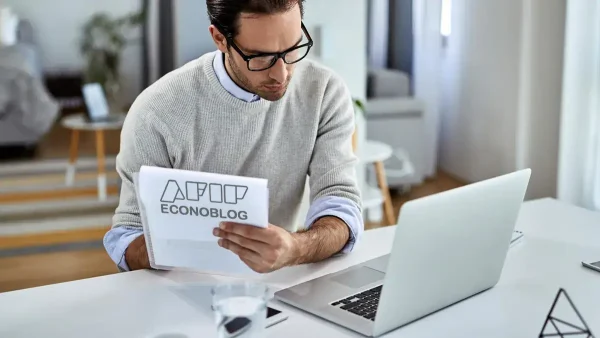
(296,54)
(240,309)
(261,62)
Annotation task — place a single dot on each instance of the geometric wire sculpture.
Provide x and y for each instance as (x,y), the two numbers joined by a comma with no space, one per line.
(574,330)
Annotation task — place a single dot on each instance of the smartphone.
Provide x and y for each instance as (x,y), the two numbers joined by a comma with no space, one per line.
(594,266)
(239,325)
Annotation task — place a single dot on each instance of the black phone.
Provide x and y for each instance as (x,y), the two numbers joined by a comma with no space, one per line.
(239,324)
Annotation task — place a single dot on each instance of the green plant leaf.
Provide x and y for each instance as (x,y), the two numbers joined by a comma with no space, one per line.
(360,105)
(102,41)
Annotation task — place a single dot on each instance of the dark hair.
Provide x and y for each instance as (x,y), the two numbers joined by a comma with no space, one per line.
(224,14)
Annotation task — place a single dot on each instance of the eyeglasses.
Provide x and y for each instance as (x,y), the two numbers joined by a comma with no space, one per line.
(264,61)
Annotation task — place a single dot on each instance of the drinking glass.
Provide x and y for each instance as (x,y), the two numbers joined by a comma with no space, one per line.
(240,309)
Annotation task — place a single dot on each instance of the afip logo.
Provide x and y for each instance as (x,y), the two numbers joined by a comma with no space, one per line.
(194,191)
(218,193)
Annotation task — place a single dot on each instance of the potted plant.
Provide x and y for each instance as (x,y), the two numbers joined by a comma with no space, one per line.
(359,107)
(102,43)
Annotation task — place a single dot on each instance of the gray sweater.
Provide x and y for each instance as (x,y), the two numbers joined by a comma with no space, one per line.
(187,120)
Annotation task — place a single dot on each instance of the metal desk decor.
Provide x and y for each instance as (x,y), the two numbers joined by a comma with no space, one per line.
(574,329)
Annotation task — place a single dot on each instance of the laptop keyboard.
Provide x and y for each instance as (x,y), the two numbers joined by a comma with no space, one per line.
(362,304)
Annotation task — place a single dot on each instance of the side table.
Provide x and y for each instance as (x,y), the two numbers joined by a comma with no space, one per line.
(79,122)
(376,153)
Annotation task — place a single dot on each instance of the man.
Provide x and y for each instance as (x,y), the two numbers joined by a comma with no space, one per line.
(253,108)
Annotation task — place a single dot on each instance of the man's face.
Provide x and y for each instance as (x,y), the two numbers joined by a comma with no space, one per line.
(265,34)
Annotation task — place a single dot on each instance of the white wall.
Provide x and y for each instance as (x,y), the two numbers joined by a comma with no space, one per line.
(58,25)
(344,24)
(191,31)
(540,98)
(480,109)
(501,90)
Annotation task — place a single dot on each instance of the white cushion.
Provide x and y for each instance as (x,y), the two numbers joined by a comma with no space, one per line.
(394,107)
(9,23)
(384,83)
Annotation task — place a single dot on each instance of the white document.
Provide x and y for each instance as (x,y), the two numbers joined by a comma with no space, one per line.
(181,208)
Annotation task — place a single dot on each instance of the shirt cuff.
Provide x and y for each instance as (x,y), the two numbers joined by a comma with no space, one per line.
(116,242)
(342,208)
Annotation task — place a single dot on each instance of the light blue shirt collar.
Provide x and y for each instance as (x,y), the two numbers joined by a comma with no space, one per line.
(227,82)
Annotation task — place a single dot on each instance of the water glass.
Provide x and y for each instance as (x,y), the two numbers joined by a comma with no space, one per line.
(240,309)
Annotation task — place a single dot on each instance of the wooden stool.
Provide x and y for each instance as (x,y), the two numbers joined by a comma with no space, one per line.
(79,123)
(376,153)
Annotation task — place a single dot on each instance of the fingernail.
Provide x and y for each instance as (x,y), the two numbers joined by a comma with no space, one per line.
(222,225)
(216,232)
(220,243)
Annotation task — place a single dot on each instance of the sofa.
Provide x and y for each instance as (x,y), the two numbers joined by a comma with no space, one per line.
(396,118)
(27,110)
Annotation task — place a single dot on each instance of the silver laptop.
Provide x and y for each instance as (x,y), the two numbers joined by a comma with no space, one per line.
(447,247)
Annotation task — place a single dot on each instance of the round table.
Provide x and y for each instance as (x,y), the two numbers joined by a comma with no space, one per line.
(80,122)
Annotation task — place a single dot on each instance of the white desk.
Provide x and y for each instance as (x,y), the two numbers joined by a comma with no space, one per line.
(177,304)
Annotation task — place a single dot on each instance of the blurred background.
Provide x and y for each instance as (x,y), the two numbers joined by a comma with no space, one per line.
(448,92)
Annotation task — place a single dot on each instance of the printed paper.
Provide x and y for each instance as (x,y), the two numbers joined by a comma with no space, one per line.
(181,208)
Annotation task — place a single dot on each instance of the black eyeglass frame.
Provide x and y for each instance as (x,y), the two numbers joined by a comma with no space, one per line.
(277,56)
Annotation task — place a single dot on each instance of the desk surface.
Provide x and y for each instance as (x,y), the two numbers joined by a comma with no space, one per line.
(177,304)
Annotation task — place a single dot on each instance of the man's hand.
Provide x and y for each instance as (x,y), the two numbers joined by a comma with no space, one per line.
(262,249)
(270,249)
(136,254)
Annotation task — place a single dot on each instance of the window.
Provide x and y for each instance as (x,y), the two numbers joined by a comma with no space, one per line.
(446,23)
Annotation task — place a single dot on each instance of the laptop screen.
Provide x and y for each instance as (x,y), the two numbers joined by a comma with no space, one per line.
(95,100)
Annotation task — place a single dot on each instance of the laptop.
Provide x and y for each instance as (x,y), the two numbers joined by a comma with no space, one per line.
(447,247)
(97,106)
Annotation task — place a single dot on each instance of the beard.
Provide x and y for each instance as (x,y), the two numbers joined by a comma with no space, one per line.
(245,83)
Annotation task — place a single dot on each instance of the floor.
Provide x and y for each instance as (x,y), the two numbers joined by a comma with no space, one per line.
(81,255)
